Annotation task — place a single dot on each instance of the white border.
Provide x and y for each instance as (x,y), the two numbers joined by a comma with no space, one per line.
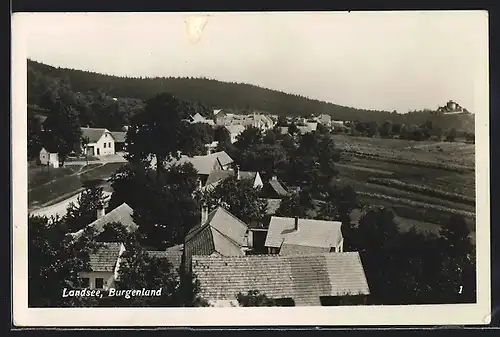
(362,315)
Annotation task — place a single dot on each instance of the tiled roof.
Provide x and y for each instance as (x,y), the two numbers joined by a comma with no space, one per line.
(106,257)
(122,214)
(223,157)
(222,233)
(119,136)
(316,233)
(304,278)
(93,134)
(291,249)
(207,163)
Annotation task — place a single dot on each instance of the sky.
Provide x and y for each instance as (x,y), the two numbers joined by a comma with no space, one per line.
(372,60)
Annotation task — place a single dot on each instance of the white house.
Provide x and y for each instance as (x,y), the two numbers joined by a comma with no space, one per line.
(104,267)
(100,142)
(234,131)
(198,118)
(49,158)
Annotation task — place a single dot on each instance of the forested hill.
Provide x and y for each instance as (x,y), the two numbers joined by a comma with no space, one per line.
(212,94)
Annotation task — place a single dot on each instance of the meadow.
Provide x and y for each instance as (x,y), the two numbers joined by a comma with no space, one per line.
(423,182)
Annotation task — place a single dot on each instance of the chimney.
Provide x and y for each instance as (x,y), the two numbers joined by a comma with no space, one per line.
(274,178)
(296,226)
(204,215)
(237,172)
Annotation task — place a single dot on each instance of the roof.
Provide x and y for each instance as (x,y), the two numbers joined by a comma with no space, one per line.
(315,233)
(119,136)
(172,254)
(220,175)
(222,233)
(291,249)
(105,257)
(235,129)
(278,188)
(93,134)
(207,163)
(304,278)
(122,214)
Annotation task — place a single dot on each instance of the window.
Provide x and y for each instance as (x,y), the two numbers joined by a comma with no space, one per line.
(104,145)
(109,144)
(97,151)
(85,282)
(99,283)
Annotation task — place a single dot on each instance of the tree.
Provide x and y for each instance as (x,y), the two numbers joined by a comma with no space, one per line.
(457,256)
(160,130)
(296,205)
(293,129)
(84,212)
(450,137)
(222,135)
(386,129)
(267,159)
(62,131)
(54,261)
(239,197)
(34,135)
(255,299)
(251,136)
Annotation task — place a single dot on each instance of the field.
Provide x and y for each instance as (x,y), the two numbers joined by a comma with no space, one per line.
(44,189)
(424,182)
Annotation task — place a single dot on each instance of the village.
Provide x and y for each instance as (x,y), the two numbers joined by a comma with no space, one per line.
(283,257)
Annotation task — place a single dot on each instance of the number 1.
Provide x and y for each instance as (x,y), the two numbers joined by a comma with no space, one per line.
(460,291)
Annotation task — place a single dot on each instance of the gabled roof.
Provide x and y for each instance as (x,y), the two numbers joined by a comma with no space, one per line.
(119,136)
(93,134)
(278,188)
(222,233)
(106,257)
(235,129)
(315,233)
(122,214)
(303,278)
(206,164)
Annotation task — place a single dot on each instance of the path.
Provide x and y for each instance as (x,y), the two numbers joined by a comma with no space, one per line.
(60,207)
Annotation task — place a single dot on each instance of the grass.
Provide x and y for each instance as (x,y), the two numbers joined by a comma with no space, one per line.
(42,174)
(68,184)
(423,182)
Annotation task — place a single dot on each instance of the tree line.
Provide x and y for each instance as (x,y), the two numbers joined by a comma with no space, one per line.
(45,82)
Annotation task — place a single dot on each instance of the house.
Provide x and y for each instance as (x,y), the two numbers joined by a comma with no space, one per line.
(100,142)
(198,118)
(299,280)
(234,131)
(283,130)
(288,236)
(122,214)
(119,137)
(217,177)
(219,234)
(206,164)
(49,158)
(103,266)
(325,119)
(273,191)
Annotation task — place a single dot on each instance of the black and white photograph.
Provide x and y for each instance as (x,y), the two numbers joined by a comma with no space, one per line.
(325,162)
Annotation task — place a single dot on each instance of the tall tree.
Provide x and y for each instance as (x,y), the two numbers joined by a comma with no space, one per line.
(34,135)
(160,131)
(250,137)
(239,197)
(84,211)
(62,131)
(54,262)
(296,205)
